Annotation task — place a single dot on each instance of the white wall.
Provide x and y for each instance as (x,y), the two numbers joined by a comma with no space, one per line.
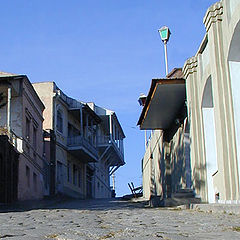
(235,83)
(210,149)
(209,138)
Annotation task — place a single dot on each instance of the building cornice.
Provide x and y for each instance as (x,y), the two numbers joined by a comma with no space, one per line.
(213,15)
(190,66)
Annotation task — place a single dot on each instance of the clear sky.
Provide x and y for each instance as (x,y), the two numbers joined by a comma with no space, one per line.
(105,51)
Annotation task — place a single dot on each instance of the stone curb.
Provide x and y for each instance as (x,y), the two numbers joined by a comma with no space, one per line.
(217,208)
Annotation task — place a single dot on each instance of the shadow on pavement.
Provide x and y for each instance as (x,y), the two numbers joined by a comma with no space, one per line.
(62,202)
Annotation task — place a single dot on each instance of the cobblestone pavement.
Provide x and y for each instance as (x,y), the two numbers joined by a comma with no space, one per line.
(108,219)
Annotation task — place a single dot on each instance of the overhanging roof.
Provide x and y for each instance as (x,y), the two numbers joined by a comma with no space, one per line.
(164,101)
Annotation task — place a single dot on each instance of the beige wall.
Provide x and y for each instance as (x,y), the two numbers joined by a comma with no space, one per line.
(31,185)
(180,159)
(166,166)
(212,62)
(46,93)
(151,166)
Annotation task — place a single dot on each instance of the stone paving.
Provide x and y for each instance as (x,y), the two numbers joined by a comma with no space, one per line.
(115,219)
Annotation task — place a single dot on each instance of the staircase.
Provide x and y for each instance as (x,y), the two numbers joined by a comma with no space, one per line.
(185,196)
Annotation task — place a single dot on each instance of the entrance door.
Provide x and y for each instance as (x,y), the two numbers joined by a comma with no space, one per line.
(210,139)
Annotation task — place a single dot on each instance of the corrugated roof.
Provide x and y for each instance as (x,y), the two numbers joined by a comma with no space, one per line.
(6,74)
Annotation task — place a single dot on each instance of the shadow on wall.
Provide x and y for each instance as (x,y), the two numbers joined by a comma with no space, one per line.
(180,161)
(171,171)
(198,181)
(158,175)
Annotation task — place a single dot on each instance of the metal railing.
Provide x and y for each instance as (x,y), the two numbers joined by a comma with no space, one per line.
(106,140)
(102,140)
(12,138)
(77,141)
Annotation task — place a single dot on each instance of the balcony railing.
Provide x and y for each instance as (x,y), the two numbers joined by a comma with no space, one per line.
(13,138)
(79,141)
(102,140)
(106,140)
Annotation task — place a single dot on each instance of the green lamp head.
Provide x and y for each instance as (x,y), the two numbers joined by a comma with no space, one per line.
(164,33)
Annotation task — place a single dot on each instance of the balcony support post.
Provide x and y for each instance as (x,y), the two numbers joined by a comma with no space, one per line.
(9,109)
(86,126)
(110,127)
(81,121)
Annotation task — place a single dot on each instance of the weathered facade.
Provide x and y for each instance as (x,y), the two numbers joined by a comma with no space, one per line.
(71,142)
(212,83)
(21,120)
(166,163)
(110,137)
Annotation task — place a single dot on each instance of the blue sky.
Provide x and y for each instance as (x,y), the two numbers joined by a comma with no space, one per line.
(105,51)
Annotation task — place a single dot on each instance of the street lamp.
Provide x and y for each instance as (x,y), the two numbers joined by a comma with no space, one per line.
(165,34)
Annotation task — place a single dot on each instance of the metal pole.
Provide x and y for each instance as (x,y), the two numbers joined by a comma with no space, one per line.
(166,58)
(113,179)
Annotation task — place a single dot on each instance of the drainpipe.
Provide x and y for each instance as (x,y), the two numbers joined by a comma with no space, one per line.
(9,110)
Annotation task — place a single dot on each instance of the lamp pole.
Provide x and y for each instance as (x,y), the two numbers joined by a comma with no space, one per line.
(165,34)
(166,58)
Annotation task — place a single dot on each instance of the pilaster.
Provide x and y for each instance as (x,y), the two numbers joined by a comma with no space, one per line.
(198,166)
(213,21)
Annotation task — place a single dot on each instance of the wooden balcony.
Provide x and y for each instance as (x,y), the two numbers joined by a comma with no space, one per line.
(82,149)
(114,148)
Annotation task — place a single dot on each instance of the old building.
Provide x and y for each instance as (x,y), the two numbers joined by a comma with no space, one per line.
(212,83)
(79,161)
(110,137)
(166,163)
(21,120)
(71,127)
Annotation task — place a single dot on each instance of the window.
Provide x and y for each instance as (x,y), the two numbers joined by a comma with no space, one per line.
(35,181)
(34,138)
(59,121)
(28,176)
(27,129)
(69,177)
(74,174)
(79,178)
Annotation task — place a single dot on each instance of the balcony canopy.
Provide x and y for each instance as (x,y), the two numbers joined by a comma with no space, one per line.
(164,101)
(86,109)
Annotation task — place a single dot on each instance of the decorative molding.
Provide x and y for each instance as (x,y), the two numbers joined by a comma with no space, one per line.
(190,66)
(213,15)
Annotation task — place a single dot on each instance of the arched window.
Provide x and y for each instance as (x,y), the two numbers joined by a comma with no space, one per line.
(59,121)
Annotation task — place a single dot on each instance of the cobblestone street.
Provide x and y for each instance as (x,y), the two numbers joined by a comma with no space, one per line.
(104,219)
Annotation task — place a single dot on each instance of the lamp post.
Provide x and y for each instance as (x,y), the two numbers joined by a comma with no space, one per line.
(165,34)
